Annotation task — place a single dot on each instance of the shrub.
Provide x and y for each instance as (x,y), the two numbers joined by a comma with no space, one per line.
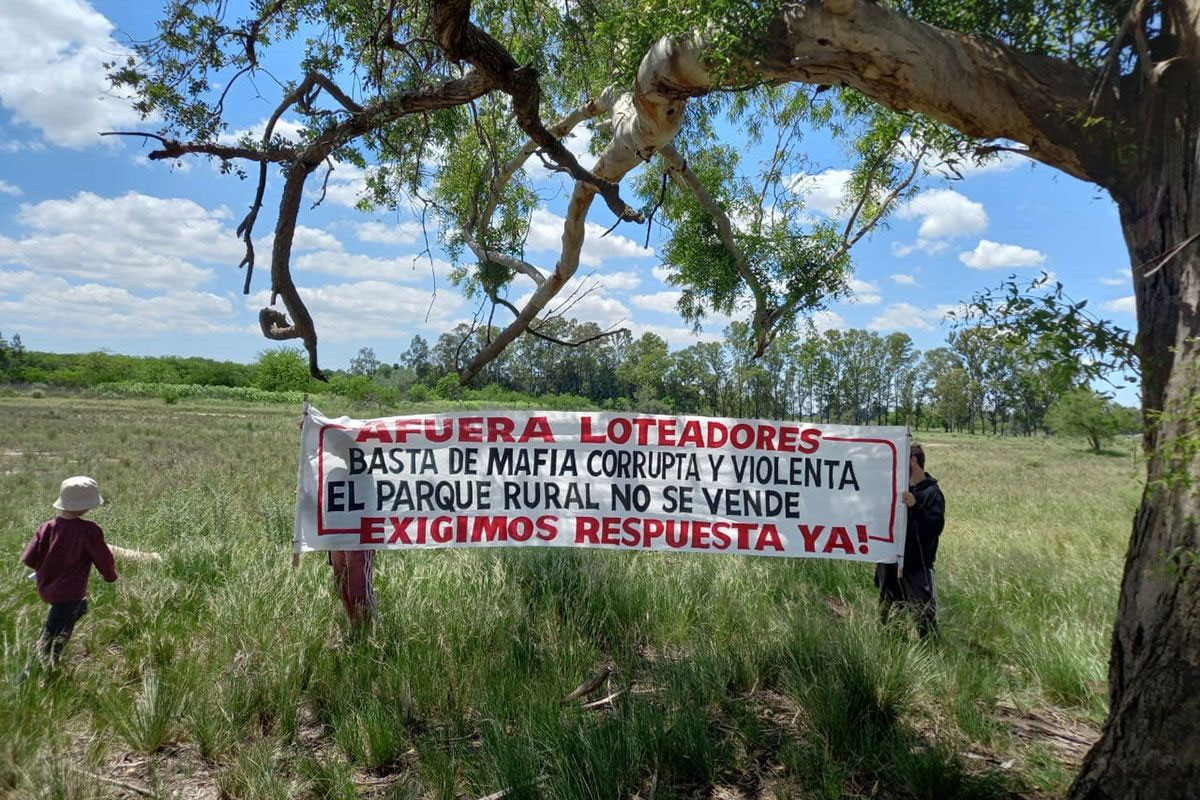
(282,369)
(449,388)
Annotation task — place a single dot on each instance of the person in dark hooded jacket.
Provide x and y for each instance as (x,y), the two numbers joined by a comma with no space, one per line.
(915,586)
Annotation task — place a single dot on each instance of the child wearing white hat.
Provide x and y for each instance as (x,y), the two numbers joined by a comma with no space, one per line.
(62,554)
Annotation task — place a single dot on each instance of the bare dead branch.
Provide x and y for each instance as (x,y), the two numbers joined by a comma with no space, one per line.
(983,151)
(885,205)
(175,149)
(462,40)
(246,227)
(274,324)
(537,332)
(220,107)
(251,35)
(662,195)
(588,686)
(561,129)
(324,184)
(604,701)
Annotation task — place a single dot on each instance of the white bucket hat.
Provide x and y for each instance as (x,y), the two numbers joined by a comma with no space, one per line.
(80,493)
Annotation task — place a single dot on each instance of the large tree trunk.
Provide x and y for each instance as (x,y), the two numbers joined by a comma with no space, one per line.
(1150,747)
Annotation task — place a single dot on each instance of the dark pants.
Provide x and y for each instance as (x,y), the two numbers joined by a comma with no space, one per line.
(913,589)
(60,623)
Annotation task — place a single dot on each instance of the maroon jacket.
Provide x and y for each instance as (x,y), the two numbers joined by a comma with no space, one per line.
(62,553)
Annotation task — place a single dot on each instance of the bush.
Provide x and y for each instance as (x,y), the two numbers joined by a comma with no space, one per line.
(449,388)
(282,369)
(192,391)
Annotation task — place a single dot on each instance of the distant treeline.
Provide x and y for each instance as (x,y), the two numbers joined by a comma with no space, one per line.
(977,382)
(18,365)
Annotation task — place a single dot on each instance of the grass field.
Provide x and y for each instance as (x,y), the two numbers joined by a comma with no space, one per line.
(223,672)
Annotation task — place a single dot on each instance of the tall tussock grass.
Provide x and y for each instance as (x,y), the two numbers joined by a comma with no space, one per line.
(764,677)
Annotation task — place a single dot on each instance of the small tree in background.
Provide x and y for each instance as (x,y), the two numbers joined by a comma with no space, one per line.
(11,354)
(282,369)
(365,363)
(1082,412)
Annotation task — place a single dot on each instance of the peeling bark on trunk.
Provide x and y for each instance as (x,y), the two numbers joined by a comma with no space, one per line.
(1150,746)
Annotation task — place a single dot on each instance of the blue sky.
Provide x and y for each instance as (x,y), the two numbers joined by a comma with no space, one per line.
(100,248)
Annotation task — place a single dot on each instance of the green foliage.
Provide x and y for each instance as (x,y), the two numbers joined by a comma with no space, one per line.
(1075,346)
(146,722)
(448,387)
(172,393)
(93,369)
(12,356)
(282,369)
(1083,412)
(1077,31)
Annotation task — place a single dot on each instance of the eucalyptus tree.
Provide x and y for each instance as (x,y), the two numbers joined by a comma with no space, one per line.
(450,99)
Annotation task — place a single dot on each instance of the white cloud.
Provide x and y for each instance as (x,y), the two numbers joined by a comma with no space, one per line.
(52,304)
(345,186)
(904,278)
(900,250)
(287,129)
(19,145)
(864,293)
(944,214)
(677,335)
(1124,305)
(939,312)
(625,281)
(587,306)
(905,317)
(1119,278)
(822,191)
(663,274)
(307,238)
(134,241)
(303,240)
(387,233)
(993,255)
(51,70)
(180,165)
(545,235)
(14,283)
(406,269)
(827,321)
(372,309)
(999,162)
(10,188)
(664,302)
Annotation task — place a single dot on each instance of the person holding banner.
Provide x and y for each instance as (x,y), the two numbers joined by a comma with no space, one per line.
(915,585)
(353,573)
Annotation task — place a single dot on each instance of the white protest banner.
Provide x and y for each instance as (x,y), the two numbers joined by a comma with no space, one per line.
(601,480)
